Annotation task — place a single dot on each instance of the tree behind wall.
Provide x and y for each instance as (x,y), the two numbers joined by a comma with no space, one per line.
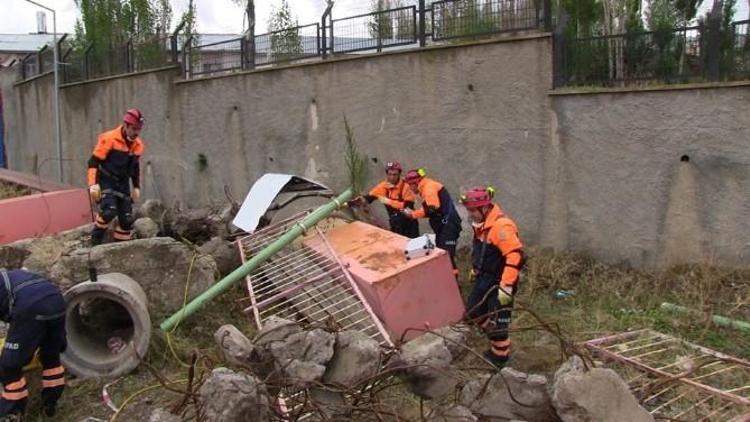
(108,25)
(286,42)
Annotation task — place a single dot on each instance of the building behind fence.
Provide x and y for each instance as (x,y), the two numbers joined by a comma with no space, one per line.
(706,52)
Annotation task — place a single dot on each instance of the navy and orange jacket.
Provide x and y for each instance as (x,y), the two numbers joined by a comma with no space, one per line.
(498,251)
(399,196)
(115,160)
(436,201)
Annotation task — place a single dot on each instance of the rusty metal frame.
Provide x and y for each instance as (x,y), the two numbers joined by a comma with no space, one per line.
(310,283)
(615,348)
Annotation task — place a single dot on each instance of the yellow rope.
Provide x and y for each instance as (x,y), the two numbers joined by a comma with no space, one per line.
(138,393)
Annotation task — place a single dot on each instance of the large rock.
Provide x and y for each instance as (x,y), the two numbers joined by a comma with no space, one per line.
(509,394)
(228,396)
(40,254)
(155,210)
(303,357)
(275,329)
(596,395)
(226,254)
(356,357)
(145,228)
(198,225)
(453,413)
(454,338)
(425,363)
(160,265)
(237,349)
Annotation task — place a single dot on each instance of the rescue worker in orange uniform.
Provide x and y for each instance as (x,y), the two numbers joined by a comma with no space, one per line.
(497,259)
(114,163)
(396,195)
(438,208)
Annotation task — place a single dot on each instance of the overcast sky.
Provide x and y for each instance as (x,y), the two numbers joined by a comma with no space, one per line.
(214,16)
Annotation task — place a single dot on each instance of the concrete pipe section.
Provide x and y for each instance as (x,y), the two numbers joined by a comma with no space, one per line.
(107,322)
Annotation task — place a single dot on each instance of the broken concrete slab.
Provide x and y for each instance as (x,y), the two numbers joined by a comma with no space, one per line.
(452,413)
(331,404)
(226,254)
(198,225)
(237,349)
(426,366)
(594,395)
(302,357)
(356,357)
(454,338)
(509,394)
(40,254)
(275,329)
(155,210)
(145,228)
(160,265)
(229,396)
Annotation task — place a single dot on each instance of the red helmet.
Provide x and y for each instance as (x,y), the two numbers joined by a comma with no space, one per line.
(393,165)
(133,117)
(415,175)
(477,197)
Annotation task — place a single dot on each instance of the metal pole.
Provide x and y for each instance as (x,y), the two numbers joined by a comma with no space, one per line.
(58,138)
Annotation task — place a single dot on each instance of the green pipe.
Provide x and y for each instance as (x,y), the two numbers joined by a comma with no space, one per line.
(719,320)
(294,232)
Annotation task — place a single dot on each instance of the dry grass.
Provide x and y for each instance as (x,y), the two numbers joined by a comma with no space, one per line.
(12,190)
(607,299)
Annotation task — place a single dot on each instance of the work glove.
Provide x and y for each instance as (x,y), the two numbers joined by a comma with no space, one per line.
(408,212)
(95,192)
(135,194)
(384,200)
(355,202)
(504,294)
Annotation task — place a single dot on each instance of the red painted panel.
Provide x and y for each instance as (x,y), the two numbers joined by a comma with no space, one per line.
(43,214)
(419,293)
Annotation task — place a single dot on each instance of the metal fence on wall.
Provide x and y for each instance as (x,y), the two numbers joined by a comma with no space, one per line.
(90,62)
(740,61)
(457,19)
(439,22)
(707,52)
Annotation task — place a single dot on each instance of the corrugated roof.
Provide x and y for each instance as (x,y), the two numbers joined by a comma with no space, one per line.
(24,43)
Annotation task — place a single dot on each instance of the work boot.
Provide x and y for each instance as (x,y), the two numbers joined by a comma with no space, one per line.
(498,362)
(49,410)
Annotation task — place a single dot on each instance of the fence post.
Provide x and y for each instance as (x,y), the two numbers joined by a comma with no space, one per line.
(187,62)
(324,27)
(422,28)
(559,77)
(713,47)
(86,69)
(548,15)
(243,53)
(129,65)
(40,60)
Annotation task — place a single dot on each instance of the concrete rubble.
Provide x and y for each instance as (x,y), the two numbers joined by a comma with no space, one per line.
(160,265)
(425,364)
(594,395)
(509,394)
(356,358)
(452,413)
(226,254)
(229,396)
(238,350)
(145,228)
